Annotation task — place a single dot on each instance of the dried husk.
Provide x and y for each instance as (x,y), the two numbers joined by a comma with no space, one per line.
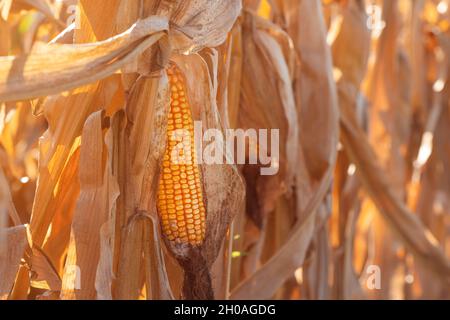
(316,107)
(267,104)
(222,185)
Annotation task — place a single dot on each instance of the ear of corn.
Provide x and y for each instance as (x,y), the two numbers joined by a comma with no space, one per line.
(180,200)
(82,145)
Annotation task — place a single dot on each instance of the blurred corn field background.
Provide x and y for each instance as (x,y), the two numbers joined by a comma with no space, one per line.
(91,89)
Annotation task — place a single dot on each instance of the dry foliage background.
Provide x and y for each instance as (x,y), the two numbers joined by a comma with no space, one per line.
(364,148)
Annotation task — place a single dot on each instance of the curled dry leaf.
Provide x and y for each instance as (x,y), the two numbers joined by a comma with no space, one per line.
(75,65)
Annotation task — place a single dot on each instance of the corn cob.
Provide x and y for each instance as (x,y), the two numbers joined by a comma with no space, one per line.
(180,199)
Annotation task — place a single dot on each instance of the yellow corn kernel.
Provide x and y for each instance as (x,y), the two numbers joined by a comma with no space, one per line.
(180,177)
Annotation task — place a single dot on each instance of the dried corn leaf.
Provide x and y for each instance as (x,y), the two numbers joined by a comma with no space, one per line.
(95,183)
(314,85)
(267,279)
(15,239)
(407,226)
(351,48)
(75,65)
(313,106)
(267,104)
